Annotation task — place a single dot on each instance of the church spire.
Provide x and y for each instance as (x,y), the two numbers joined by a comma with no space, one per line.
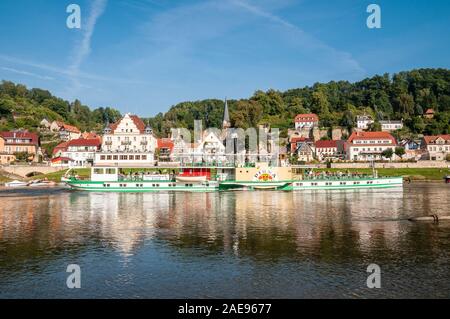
(226,116)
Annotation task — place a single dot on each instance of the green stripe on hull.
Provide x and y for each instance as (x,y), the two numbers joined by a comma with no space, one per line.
(300,188)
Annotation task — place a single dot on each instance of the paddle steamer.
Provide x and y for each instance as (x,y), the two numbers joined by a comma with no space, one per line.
(260,176)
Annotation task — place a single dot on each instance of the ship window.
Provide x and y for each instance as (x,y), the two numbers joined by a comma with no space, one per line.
(110,171)
(98,170)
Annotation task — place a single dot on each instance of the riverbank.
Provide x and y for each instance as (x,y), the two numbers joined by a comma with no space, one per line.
(415,174)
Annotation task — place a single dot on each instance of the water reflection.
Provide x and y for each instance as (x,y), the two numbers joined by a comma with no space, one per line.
(324,231)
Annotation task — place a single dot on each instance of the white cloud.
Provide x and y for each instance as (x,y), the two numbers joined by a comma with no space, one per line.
(23,72)
(308,41)
(83,48)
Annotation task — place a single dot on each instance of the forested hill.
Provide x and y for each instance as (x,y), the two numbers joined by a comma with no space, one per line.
(405,95)
(23,108)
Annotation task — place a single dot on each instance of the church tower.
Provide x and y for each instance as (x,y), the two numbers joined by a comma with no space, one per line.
(226,117)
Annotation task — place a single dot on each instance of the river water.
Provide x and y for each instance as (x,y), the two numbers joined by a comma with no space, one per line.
(315,244)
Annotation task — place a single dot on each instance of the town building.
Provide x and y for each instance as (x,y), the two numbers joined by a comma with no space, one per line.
(56,126)
(437,147)
(81,152)
(59,149)
(128,141)
(62,162)
(306,121)
(369,146)
(328,150)
(390,126)
(210,150)
(90,135)
(45,124)
(164,149)
(4,157)
(21,142)
(69,132)
(363,122)
(413,150)
(302,147)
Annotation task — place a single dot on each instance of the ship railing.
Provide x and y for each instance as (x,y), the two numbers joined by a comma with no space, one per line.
(337,177)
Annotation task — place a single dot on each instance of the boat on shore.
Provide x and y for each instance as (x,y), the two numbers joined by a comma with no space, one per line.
(447,179)
(200,179)
(16,183)
(42,183)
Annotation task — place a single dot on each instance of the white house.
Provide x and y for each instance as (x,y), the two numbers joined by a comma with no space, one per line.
(367,146)
(363,122)
(128,141)
(390,126)
(306,121)
(69,132)
(327,149)
(81,152)
(437,147)
(210,149)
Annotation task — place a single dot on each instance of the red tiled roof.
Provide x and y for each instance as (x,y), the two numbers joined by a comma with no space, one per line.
(33,138)
(59,159)
(296,139)
(326,144)
(70,128)
(371,136)
(165,143)
(307,118)
(136,120)
(429,111)
(431,139)
(89,135)
(60,147)
(84,142)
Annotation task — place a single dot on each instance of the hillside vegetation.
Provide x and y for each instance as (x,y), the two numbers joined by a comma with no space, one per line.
(23,108)
(405,95)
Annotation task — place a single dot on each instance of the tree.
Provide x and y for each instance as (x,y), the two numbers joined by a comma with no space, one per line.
(21,156)
(387,153)
(375,126)
(400,151)
(320,104)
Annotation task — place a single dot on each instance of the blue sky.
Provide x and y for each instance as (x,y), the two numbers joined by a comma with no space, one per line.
(143,56)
